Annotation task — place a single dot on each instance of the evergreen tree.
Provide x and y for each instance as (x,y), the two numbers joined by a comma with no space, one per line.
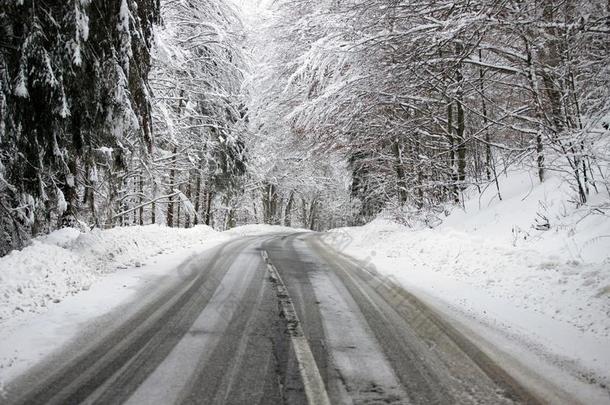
(74,80)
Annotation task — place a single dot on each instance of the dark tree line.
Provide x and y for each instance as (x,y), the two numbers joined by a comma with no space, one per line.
(73,79)
(95,130)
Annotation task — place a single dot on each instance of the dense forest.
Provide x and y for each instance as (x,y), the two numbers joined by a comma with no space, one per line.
(311,113)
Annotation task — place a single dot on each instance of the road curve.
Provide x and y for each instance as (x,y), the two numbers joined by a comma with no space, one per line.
(272,319)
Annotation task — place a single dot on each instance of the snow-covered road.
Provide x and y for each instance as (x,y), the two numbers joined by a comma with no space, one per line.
(219,332)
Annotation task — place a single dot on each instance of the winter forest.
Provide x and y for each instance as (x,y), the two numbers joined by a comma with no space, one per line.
(308,113)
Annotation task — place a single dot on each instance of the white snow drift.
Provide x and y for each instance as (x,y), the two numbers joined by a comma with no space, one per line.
(548,290)
(68,261)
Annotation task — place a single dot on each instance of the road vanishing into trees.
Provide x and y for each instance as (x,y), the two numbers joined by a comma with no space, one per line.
(279,318)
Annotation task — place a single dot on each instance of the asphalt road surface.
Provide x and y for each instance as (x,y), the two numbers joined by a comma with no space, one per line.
(274,319)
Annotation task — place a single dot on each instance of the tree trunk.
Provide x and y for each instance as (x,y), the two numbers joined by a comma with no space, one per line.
(208,208)
(312,214)
(451,140)
(488,157)
(141,199)
(288,211)
(304,212)
(172,173)
(70,192)
(270,204)
(400,172)
(419,176)
(460,134)
(153,207)
(533,79)
(172,181)
(187,215)
(124,207)
(178,209)
(197,198)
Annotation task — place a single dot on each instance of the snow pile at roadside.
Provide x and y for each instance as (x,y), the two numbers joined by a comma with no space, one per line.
(548,288)
(573,233)
(68,261)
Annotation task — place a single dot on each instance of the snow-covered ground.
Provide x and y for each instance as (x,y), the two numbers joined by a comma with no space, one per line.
(49,289)
(68,261)
(543,292)
(64,280)
(541,295)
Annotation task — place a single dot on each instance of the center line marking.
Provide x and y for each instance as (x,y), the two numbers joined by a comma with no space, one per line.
(315,391)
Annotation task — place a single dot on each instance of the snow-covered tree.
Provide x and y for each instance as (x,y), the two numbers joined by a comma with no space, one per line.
(425,99)
(198,110)
(74,83)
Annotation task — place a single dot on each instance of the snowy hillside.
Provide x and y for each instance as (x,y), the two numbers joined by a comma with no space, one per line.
(548,290)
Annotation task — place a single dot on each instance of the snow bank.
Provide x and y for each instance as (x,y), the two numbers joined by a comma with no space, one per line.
(573,234)
(68,261)
(548,289)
